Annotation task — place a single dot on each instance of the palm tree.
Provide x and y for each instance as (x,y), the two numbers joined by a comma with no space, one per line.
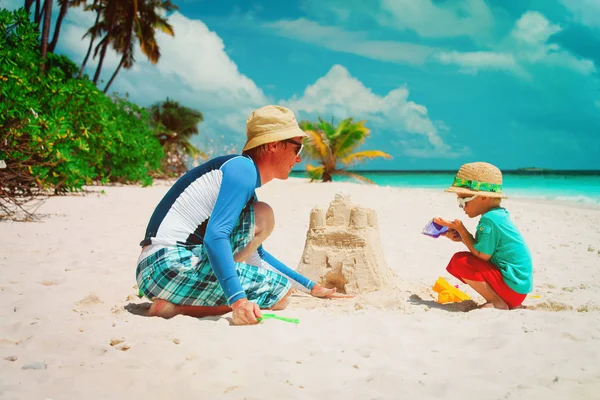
(123,23)
(174,125)
(139,21)
(92,32)
(46,31)
(64,6)
(329,144)
(109,10)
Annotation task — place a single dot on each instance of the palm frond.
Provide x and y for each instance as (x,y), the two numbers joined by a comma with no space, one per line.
(314,173)
(364,155)
(317,143)
(354,136)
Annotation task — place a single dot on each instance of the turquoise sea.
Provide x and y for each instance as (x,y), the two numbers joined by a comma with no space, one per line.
(575,186)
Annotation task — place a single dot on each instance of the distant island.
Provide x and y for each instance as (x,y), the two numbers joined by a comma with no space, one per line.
(534,169)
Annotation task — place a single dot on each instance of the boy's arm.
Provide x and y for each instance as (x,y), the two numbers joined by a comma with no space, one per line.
(469,241)
(465,235)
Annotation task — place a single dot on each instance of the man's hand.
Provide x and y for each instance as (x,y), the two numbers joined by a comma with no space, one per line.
(323,292)
(245,312)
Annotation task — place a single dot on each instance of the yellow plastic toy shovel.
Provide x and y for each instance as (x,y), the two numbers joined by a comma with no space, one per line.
(448,293)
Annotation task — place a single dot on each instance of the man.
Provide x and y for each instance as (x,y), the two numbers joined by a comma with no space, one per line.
(202,252)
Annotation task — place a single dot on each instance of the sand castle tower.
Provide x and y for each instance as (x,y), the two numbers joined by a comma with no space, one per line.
(343,248)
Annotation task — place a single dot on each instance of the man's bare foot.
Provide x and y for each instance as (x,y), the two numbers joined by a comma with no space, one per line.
(498,306)
(162,308)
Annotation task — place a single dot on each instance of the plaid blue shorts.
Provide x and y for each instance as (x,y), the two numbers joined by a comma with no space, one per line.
(183,274)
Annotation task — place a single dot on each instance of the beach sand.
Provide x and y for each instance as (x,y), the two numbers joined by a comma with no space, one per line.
(70,323)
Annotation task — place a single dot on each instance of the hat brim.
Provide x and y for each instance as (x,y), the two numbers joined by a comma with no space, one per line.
(460,190)
(274,136)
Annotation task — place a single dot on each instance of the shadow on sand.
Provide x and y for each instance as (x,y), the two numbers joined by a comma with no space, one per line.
(463,306)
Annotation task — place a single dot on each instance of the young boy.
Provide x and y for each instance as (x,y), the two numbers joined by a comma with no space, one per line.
(498,264)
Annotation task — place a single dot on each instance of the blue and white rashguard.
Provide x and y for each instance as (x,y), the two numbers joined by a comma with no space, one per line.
(203,207)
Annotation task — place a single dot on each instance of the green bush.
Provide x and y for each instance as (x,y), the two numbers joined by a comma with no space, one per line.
(59,132)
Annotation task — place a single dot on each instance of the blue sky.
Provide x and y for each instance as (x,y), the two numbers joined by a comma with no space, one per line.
(440,82)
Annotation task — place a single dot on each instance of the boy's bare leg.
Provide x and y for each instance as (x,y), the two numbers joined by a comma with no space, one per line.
(486,291)
(264,223)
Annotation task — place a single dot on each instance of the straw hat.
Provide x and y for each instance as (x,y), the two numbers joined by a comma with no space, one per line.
(271,124)
(479,178)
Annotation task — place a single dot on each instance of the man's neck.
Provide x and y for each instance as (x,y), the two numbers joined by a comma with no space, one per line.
(264,170)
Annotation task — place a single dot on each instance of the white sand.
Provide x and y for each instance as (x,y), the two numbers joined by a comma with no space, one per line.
(67,290)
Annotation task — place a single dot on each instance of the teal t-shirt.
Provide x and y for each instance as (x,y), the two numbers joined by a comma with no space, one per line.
(499,237)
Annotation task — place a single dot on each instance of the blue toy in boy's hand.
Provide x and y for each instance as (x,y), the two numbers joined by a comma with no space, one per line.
(434,230)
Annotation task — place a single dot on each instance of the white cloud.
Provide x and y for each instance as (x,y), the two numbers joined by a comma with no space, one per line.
(472,61)
(530,37)
(440,19)
(533,29)
(524,47)
(337,39)
(340,95)
(194,68)
(586,12)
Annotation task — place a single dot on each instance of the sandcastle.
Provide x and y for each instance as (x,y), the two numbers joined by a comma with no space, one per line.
(343,248)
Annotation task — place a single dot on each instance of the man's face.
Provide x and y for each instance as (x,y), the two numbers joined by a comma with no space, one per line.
(288,156)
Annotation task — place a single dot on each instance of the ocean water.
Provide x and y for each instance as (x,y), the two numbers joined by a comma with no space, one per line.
(582,187)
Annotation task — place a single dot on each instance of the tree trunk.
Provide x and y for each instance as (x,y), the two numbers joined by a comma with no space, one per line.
(38,13)
(46,31)
(28,4)
(87,56)
(112,78)
(63,11)
(101,61)
(327,177)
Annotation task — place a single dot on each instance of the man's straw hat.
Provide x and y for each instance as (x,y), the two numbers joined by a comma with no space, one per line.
(478,178)
(271,124)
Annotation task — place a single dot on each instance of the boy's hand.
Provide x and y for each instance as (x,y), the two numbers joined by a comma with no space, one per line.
(455,225)
(453,235)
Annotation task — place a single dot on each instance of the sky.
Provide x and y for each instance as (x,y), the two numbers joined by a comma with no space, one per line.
(439,82)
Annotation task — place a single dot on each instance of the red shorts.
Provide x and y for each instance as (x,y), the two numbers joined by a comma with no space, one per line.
(465,265)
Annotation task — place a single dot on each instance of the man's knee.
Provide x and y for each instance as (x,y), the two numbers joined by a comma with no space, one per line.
(264,218)
(284,302)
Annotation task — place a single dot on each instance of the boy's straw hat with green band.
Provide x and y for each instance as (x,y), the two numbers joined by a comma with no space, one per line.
(478,178)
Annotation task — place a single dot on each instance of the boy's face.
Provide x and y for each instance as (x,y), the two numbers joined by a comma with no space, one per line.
(474,205)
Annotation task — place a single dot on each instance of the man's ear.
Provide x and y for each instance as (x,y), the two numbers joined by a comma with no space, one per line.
(272,147)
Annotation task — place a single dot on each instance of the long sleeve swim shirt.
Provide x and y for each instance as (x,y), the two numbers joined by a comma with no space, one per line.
(203,207)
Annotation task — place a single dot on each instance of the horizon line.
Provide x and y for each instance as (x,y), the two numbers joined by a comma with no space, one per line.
(452,171)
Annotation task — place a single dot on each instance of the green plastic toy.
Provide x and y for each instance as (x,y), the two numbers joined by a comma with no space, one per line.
(273,316)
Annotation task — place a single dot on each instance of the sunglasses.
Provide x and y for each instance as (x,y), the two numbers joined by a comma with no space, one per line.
(297,144)
(462,201)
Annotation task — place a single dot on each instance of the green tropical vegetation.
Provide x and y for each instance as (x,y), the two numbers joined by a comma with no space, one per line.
(330,145)
(174,125)
(58,131)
